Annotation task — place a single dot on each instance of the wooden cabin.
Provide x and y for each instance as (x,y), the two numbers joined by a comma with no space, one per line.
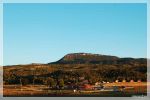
(131,80)
(139,81)
(117,81)
(124,80)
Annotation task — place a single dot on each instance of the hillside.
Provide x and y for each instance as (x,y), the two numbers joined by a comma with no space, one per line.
(70,68)
(88,58)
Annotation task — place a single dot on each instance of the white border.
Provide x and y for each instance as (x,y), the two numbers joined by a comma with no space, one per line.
(1,49)
(75,1)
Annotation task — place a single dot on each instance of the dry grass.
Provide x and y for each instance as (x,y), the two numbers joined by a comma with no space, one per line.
(127,84)
(41,90)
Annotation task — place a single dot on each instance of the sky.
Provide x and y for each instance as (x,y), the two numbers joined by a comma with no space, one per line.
(43,33)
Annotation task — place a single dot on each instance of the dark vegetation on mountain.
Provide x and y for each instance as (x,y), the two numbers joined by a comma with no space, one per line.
(77,67)
(82,58)
(87,58)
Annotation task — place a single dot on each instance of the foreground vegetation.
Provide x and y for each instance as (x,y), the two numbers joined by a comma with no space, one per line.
(73,73)
(133,89)
(75,70)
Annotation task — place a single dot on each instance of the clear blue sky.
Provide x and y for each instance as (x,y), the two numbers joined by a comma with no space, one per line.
(42,33)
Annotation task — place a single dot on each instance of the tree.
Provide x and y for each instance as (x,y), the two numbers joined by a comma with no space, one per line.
(61,83)
(24,81)
(50,82)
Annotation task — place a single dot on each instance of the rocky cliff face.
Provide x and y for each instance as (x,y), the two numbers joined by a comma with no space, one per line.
(88,58)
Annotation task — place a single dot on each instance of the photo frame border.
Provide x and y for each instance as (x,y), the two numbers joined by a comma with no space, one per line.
(73,1)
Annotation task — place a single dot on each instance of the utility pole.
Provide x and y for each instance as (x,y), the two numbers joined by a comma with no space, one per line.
(21,83)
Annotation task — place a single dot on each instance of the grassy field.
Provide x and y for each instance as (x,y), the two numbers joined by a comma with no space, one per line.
(132,89)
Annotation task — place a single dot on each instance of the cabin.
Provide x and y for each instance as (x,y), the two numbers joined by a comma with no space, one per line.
(81,78)
(86,87)
(139,81)
(97,83)
(103,82)
(124,80)
(117,81)
(131,80)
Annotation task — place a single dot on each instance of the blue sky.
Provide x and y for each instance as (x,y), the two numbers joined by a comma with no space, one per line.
(42,33)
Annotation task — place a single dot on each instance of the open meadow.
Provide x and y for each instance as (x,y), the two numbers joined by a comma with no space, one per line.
(131,89)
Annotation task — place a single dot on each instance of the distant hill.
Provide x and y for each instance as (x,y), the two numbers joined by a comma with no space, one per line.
(93,67)
(88,58)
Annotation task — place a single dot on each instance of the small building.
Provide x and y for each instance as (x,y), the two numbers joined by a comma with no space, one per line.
(139,81)
(124,80)
(97,83)
(131,80)
(117,81)
(86,87)
(81,78)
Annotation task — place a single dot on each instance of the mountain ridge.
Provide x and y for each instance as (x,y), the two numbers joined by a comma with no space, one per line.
(90,66)
(89,58)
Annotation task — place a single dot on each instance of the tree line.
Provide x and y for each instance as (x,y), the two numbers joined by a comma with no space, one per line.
(62,75)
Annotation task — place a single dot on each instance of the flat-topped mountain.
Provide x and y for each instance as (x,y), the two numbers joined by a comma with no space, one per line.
(88,58)
(93,67)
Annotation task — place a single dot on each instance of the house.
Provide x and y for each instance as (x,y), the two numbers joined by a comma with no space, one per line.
(98,83)
(139,81)
(81,78)
(86,87)
(117,81)
(124,80)
(131,80)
